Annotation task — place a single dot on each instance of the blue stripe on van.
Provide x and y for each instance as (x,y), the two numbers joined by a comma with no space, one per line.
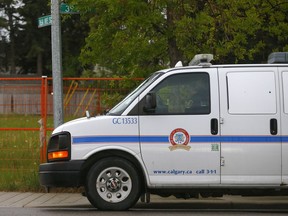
(105,139)
(165,139)
(251,139)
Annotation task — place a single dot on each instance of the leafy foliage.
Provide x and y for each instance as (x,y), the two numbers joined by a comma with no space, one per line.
(138,37)
(28,47)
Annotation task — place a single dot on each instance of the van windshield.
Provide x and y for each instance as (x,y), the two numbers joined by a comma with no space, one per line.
(120,107)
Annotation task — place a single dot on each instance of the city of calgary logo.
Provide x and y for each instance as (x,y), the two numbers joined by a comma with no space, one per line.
(179,138)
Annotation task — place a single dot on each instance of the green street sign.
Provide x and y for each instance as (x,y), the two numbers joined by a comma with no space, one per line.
(44,21)
(64,9)
(67,9)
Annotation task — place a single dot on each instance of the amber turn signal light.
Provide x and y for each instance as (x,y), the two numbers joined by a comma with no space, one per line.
(58,155)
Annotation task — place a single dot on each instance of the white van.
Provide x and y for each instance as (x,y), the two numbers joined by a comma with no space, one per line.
(202,130)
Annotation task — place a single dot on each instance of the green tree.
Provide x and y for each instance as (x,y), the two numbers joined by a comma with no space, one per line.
(138,37)
(11,22)
(252,30)
(29,47)
(74,31)
(34,43)
(125,36)
(3,44)
(235,31)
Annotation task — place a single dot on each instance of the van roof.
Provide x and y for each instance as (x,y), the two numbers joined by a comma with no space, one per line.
(279,59)
(224,66)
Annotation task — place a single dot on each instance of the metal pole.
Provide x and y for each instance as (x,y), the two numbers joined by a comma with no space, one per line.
(57,63)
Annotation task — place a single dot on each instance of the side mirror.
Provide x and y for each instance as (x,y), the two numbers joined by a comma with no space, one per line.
(150,102)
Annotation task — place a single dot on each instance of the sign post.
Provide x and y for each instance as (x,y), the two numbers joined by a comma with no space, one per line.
(57,64)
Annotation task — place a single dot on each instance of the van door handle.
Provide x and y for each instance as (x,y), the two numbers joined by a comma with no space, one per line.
(214,126)
(273,127)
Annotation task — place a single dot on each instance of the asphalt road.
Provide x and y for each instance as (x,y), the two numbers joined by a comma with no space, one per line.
(157,210)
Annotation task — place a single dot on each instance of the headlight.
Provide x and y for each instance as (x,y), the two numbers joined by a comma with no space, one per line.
(59,147)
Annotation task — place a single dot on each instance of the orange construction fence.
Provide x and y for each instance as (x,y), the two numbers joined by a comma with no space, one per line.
(26,113)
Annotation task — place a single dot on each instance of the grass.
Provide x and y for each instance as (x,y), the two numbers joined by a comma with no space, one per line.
(20,153)
(19,160)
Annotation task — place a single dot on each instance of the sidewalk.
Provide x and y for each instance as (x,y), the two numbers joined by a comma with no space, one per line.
(18,199)
(75,200)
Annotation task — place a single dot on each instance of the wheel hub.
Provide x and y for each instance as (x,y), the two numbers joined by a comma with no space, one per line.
(113,184)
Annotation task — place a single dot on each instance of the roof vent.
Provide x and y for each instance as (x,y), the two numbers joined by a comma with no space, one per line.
(278,57)
(202,60)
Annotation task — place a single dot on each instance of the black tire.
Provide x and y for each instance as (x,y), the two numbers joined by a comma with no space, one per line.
(113,184)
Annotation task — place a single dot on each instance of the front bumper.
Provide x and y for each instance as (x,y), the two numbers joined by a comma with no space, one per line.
(61,174)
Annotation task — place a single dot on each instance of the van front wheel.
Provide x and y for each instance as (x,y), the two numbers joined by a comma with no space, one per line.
(113,184)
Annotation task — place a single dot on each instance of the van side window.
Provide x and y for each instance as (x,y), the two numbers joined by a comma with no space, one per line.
(251,93)
(285,91)
(182,94)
